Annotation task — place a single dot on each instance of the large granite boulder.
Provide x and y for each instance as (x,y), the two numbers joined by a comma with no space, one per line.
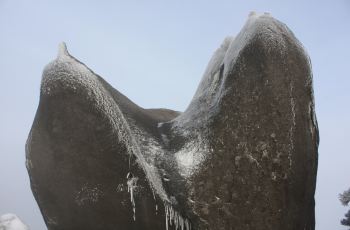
(242,156)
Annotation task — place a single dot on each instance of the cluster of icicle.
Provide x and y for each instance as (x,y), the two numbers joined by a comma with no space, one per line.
(173,217)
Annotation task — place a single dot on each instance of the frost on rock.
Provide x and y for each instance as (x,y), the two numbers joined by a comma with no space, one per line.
(11,222)
(87,194)
(190,157)
(241,137)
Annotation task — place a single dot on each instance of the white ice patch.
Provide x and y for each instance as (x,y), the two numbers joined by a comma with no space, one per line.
(189,158)
(11,222)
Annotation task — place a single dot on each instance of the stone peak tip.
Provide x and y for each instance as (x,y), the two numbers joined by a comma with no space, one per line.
(256,14)
(252,13)
(62,50)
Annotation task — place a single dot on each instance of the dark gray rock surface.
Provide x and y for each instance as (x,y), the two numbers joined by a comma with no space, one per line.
(242,156)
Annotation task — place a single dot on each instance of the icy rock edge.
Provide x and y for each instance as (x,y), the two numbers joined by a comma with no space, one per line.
(246,146)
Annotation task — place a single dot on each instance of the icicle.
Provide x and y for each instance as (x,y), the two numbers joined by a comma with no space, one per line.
(181,223)
(154,195)
(166,217)
(176,221)
(172,217)
(131,187)
(187,224)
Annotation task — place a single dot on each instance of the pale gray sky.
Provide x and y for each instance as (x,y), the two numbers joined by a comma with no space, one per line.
(155,52)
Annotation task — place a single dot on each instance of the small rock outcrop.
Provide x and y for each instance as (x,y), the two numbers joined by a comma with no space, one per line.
(242,156)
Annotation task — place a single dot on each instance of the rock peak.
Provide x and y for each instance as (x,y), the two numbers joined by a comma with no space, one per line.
(62,50)
(235,159)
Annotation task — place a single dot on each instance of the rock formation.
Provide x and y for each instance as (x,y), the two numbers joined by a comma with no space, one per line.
(242,156)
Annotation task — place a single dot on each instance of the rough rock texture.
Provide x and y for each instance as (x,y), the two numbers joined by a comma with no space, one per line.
(242,156)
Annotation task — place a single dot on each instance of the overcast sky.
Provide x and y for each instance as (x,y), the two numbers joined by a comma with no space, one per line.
(155,53)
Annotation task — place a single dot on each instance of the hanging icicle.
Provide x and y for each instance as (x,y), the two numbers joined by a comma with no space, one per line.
(132,184)
(172,217)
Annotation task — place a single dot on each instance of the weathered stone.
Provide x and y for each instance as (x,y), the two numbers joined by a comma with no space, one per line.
(242,156)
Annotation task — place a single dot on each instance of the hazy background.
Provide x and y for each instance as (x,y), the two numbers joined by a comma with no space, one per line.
(155,53)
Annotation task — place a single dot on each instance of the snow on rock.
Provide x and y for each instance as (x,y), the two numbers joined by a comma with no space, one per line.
(190,157)
(241,137)
(10,221)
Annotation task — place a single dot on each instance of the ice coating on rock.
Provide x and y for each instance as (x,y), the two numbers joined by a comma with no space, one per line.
(243,150)
(209,86)
(73,75)
(190,157)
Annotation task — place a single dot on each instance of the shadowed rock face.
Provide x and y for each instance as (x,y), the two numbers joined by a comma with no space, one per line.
(242,156)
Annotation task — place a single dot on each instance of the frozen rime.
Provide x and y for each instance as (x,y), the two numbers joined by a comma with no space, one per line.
(11,222)
(87,194)
(241,149)
(190,157)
